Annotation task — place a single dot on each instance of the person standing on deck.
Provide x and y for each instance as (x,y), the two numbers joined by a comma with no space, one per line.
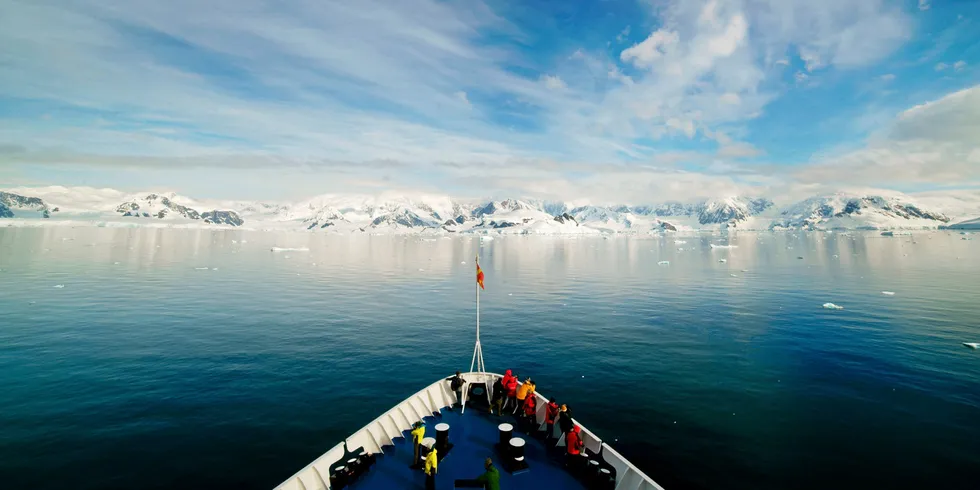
(550,414)
(530,413)
(498,397)
(522,392)
(574,444)
(510,387)
(431,468)
(565,420)
(491,478)
(456,384)
(418,433)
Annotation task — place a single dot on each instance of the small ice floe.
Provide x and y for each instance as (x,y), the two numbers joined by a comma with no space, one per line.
(486,238)
(723,246)
(214,268)
(115,263)
(421,270)
(733,275)
(723,261)
(745,270)
(888,293)
(59,286)
(680,242)
(289,249)
(510,294)
(201,268)
(234,241)
(462,263)
(836,256)
(831,306)
(972,345)
(663,262)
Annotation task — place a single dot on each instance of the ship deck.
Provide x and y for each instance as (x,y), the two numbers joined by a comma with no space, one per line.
(474,436)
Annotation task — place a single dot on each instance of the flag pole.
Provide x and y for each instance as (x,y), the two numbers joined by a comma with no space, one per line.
(477,361)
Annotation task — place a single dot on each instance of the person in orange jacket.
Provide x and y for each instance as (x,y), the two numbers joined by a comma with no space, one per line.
(526,388)
(550,414)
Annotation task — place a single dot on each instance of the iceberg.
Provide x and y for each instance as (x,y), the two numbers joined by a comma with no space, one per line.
(200,268)
(289,249)
(722,261)
(663,262)
(680,242)
(59,286)
(972,345)
(713,246)
(888,293)
(831,306)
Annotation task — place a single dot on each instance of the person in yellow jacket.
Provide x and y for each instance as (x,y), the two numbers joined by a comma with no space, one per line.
(431,468)
(522,392)
(418,433)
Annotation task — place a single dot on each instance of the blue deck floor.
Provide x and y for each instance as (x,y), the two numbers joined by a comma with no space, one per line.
(473,435)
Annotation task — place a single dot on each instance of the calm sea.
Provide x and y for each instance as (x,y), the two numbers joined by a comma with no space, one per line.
(148,371)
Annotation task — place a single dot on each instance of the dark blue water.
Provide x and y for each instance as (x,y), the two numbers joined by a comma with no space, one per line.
(144,372)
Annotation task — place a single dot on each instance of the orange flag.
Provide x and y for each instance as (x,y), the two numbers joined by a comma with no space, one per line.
(479,275)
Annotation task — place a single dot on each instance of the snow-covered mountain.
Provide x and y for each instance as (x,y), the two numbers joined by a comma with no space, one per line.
(427,214)
(854,211)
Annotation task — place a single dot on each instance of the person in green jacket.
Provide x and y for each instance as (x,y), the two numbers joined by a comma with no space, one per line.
(491,478)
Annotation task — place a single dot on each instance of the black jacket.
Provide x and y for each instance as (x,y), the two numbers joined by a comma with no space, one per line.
(565,421)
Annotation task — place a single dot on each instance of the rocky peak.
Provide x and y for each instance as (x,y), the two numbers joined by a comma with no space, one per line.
(566,218)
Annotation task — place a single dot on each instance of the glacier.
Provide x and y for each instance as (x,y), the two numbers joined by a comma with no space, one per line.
(432,215)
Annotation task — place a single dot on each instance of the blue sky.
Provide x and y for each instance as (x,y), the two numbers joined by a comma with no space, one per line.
(616,100)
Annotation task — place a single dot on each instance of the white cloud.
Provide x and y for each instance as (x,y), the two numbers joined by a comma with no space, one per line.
(623,35)
(887,77)
(941,66)
(653,48)
(932,143)
(463,98)
(959,65)
(739,150)
(553,82)
(924,5)
(801,77)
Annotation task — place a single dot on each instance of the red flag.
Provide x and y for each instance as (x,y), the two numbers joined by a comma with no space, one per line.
(479,275)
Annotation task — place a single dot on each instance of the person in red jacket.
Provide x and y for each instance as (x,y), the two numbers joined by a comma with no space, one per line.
(550,415)
(510,385)
(530,413)
(573,442)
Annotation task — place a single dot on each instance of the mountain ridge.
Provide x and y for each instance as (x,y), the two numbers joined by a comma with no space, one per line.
(393,213)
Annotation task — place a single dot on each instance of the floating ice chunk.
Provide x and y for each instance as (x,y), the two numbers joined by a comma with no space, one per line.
(663,262)
(733,275)
(421,270)
(680,242)
(201,268)
(510,294)
(836,256)
(59,286)
(234,241)
(723,261)
(115,263)
(888,293)
(214,268)
(289,249)
(723,246)
(745,270)
(463,263)
(486,238)
(831,306)
(972,345)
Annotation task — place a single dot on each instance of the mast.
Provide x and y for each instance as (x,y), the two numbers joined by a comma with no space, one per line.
(477,361)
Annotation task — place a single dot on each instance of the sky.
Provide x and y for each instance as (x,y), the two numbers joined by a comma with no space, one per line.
(608,101)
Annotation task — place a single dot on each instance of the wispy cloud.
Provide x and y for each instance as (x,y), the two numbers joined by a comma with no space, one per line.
(449,93)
